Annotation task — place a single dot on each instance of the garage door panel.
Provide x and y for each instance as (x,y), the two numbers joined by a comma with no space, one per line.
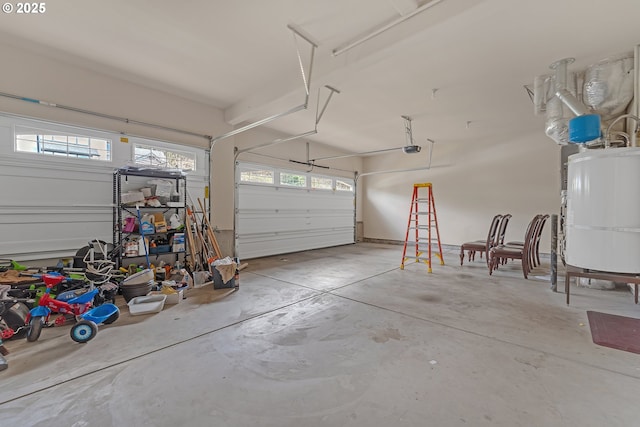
(269,221)
(274,219)
(263,244)
(53,205)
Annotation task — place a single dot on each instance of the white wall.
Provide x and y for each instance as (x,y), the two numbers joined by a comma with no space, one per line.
(472,181)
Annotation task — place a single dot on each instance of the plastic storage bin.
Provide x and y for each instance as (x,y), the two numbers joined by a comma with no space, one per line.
(146,304)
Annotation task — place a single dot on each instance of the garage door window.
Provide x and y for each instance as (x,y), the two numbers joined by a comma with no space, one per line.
(257,175)
(293,179)
(54,143)
(344,185)
(321,183)
(161,157)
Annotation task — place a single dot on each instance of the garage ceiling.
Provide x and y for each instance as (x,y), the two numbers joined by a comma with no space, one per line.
(457,68)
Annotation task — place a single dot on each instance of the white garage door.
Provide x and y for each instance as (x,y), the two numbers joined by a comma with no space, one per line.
(57,183)
(280,211)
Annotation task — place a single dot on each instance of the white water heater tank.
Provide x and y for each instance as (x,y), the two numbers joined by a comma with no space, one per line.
(603,210)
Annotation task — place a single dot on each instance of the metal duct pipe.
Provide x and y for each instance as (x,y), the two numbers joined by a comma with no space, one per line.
(573,103)
(567,98)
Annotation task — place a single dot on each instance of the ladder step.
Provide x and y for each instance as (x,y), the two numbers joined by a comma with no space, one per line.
(421,249)
(417,258)
(424,248)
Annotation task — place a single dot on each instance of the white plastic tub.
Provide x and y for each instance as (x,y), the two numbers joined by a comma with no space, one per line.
(139,278)
(146,304)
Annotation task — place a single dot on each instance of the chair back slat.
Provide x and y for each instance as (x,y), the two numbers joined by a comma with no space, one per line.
(502,230)
(493,231)
(529,238)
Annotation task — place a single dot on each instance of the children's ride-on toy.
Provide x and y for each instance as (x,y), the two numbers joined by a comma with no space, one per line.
(87,328)
(69,303)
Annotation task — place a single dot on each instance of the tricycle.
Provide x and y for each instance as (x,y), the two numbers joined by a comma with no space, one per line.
(68,303)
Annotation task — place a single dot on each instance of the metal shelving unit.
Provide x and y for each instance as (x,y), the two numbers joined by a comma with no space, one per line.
(133,178)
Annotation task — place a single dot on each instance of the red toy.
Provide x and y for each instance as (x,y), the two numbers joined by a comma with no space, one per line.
(75,305)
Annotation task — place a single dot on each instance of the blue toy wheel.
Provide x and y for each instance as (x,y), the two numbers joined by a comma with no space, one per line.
(83,331)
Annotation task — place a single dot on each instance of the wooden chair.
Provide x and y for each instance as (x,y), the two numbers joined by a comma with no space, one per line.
(481,245)
(534,255)
(504,252)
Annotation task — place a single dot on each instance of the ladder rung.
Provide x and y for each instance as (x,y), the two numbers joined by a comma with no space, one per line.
(417,258)
(422,248)
(426,249)
(413,243)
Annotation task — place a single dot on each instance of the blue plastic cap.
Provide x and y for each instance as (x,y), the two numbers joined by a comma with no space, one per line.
(584,128)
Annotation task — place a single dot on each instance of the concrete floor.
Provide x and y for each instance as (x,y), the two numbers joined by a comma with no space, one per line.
(339,337)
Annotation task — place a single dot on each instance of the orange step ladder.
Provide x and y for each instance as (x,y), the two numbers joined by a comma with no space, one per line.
(422,207)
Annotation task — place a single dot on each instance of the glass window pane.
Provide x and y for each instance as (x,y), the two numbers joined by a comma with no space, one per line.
(343,185)
(293,179)
(160,157)
(321,183)
(263,176)
(73,146)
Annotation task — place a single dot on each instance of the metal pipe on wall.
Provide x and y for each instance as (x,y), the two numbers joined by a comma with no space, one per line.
(103,115)
(636,91)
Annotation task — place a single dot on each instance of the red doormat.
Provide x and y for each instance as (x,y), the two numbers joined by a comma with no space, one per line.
(614,331)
